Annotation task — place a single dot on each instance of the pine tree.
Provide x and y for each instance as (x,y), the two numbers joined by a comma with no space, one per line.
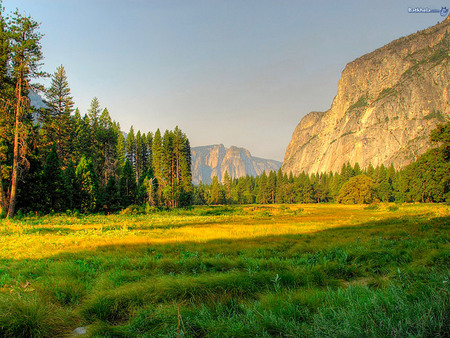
(168,169)
(56,192)
(26,55)
(226,181)
(149,144)
(120,148)
(112,195)
(131,148)
(107,137)
(139,160)
(128,186)
(81,141)
(56,122)
(87,184)
(262,191)
(157,165)
(217,195)
(271,187)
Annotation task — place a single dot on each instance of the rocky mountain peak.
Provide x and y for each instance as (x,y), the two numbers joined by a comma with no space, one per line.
(387,103)
(215,160)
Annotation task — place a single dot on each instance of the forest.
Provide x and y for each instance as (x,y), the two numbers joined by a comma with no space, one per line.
(425,180)
(55,159)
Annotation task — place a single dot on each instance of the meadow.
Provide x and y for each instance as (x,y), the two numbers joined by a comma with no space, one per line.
(243,271)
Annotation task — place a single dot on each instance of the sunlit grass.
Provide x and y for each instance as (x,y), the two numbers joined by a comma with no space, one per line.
(38,237)
(289,270)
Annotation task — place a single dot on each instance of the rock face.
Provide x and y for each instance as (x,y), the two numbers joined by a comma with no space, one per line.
(387,103)
(215,160)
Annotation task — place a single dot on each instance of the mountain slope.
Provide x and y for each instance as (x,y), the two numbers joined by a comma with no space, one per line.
(387,103)
(215,160)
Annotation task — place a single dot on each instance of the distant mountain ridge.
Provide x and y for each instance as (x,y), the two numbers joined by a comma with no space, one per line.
(215,160)
(387,103)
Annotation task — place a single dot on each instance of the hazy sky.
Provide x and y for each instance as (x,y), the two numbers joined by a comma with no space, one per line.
(237,72)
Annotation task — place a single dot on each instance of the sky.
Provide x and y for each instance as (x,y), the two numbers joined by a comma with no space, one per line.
(236,72)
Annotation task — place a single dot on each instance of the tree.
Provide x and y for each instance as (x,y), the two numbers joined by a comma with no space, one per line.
(88,185)
(56,194)
(107,137)
(26,55)
(226,181)
(128,186)
(271,186)
(157,165)
(357,190)
(131,147)
(112,194)
(56,122)
(94,114)
(120,148)
(217,195)
(262,191)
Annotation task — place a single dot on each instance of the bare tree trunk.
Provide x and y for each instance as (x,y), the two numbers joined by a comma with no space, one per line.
(15,172)
(2,195)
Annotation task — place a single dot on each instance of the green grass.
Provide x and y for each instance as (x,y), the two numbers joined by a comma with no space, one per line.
(309,270)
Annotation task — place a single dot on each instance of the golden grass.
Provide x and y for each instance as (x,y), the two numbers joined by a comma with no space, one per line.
(35,237)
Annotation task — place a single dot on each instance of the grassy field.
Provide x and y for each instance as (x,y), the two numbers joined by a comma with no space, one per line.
(244,271)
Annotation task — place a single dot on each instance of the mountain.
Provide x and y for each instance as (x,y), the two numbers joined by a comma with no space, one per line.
(215,160)
(387,103)
(36,100)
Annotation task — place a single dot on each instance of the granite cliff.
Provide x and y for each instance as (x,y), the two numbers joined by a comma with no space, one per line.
(215,160)
(387,103)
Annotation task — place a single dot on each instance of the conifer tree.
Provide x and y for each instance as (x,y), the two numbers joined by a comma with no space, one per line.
(131,148)
(168,169)
(26,55)
(81,141)
(112,195)
(271,187)
(128,187)
(139,162)
(262,191)
(56,122)
(157,165)
(226,181)
(120,148)
(56,194)
(87,184)
(217,195)
(107,140)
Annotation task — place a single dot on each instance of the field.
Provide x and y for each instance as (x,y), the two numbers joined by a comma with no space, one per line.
(282,270)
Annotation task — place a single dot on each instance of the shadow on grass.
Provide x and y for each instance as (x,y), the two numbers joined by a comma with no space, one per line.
(109,283)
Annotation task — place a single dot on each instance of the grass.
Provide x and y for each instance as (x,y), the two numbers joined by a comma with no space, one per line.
(290,270)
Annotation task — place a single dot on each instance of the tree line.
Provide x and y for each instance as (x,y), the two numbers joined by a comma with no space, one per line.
(425,180)
(55,159)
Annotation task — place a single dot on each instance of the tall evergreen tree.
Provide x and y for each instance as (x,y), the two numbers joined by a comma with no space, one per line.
(120,148)
(139,159)
(87,183)
(131,147)
(56,192)
(107,140)
(56,122)
(157,165)
(26,55)
(128,186)
(217,195)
